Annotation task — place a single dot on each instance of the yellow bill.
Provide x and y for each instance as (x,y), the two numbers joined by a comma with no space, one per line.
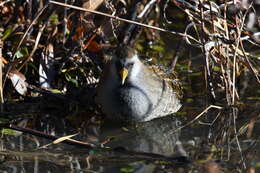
(123,74)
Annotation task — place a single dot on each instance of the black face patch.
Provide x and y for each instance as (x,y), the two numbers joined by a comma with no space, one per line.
(119,65)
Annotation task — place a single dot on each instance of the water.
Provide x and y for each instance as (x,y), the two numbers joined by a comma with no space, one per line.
(154,146)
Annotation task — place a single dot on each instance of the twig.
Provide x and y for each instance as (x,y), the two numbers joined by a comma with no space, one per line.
(206,53)
(65,23)
(197,117)
(34,48)
(250,66)
(1,74)
(50,93)
(44,135)
(239,31)
(146,8)
(22,39)
(234,113)
(122,19)
(176,55)
(139,18)
(3,3)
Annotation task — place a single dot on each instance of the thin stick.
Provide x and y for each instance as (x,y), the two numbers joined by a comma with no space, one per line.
(3,3)
(1,76)
(197,117)
(22,39)
(34,48)
(51,137)
(121,19)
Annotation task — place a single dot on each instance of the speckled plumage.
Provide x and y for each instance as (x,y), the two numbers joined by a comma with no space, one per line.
(143,96)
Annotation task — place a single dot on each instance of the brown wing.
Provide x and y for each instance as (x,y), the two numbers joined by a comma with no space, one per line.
(170,78)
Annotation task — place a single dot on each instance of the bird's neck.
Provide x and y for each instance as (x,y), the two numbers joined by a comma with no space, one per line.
(136,71)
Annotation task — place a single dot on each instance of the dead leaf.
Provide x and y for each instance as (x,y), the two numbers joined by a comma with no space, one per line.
(79,33)
(92,4)
(4,61)
(94,46)
(18,81)
(61,139)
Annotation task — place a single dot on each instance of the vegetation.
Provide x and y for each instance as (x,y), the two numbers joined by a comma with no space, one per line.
(52,54)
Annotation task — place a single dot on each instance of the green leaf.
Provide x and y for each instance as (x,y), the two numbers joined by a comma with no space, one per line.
(63,70)
(139,47)
(189,100)
(54,19)
(253,98)
(181,113)
(56,91)
(67,32)
(3,120)
(195,74)
(70,79)
(127,170)
(94,151)
(7,32)
(18,54)
(10,132)
(22,52)
(75,82)
(157,48)
(216,68)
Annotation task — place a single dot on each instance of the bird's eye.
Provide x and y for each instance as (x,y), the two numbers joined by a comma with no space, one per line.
(130,64)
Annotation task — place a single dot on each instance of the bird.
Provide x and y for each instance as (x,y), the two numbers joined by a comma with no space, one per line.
(130,90)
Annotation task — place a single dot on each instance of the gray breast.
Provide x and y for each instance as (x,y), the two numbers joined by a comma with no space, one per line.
(134,102)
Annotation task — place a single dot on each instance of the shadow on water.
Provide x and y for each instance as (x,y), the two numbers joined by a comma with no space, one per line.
(128,148)
(25,153)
